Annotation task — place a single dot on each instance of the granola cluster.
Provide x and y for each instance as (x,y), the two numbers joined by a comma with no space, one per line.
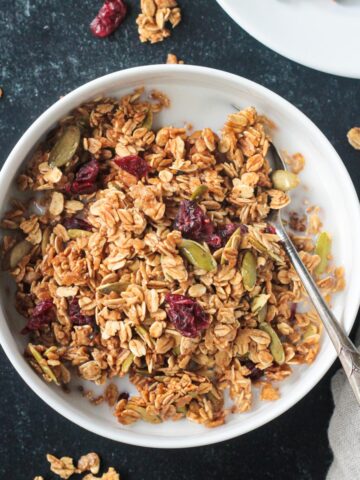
(154,17)
(64,467)
(146,252)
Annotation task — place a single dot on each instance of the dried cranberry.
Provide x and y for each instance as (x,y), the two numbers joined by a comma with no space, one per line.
(192,221)
(123,396)
(110,15)
(42,315)
(78,223)
(186,314)
(133,164)
(270,229)
(76,317)
(85,178)
(255,373)
(293,312)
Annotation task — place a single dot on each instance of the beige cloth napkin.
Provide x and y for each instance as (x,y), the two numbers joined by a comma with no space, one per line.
(344,430)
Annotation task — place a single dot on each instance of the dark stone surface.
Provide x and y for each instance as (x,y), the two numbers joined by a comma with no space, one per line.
(46,50)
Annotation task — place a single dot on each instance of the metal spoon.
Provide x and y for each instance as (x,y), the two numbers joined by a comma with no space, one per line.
(348,354)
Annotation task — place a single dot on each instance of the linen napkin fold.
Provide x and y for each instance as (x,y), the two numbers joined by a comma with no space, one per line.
(344,430)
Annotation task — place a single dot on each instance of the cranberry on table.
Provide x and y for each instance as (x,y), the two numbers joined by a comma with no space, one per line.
(110,16)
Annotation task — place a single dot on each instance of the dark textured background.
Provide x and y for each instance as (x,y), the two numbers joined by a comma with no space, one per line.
(46,50)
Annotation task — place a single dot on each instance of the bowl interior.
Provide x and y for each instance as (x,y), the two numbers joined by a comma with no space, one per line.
(204,98)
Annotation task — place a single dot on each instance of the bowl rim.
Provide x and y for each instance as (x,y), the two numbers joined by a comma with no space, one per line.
(7,340)
(265,39)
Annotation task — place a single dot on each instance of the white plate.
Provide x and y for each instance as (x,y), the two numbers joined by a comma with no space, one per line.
(322,34)
(203,97)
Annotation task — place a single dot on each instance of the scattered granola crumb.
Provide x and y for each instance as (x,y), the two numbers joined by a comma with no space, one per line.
(296,162)
(353,136)
(172,59)
(155,14)
(111,394)
(89,462)
(111,474)
(270,393)
(64,466)
(38,478)
(1,92)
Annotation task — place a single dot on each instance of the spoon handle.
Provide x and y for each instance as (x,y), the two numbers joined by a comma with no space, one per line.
(345,349)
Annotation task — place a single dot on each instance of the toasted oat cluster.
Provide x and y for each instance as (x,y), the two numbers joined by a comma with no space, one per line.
(146,252)
(64,467)
(154,17)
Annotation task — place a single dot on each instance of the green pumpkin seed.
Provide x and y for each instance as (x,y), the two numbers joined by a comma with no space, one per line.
(248,270)
(262,248)
(176,350)
(66,146)
(127,363)
(232,243)
(284,180)
(17,253)
(116,287)
(141,331)
(323,249)
(198,255)
(259,303)
(78,233)
(262,313)
(45,240)
(276,348)
(310,331)
(147,417)
(42,364)
(181,410)
(148,121)
(199,192)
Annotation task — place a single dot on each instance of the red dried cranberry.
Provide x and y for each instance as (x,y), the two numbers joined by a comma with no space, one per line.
(42,315)
(85,178)
(124,396)
(133,164)
(255,373)
(78,223)
(192,221)
(270,229)
(293,312)
(215,241)
(110,15)
(186,314)
(76,317)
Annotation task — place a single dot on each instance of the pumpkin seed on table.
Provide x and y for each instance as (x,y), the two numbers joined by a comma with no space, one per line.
(116,287)
(17,253)
(284,180)
(66,146)
(78,233)
(199,191)
(197,255)
(248,270)
(232,243)
(276,348)
(323,249)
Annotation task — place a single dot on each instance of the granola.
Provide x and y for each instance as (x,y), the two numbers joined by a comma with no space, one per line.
(353,136)
(154,17)
(149,256)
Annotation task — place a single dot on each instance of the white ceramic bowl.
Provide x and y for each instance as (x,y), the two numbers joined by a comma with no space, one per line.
(203,97)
